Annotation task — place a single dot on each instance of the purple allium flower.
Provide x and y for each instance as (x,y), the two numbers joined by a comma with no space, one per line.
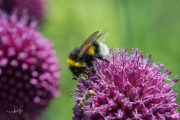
(130,87)
(34,8)
(29,69)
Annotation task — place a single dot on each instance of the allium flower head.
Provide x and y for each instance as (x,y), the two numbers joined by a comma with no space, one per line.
(34,8)
(130,87)
(29,69)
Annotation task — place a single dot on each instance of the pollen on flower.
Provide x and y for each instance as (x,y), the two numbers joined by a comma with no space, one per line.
(131,86)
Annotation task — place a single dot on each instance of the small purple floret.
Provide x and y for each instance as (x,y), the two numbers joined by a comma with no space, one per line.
(130,87)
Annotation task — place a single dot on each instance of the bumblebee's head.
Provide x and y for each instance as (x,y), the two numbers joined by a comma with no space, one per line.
(77,71)
(76,66)
(73,59)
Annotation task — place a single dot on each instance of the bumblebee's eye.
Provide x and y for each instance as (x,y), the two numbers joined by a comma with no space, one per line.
(77,70)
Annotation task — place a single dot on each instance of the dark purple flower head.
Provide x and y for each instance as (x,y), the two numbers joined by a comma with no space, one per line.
(29,74)
(34,8)
(130,87)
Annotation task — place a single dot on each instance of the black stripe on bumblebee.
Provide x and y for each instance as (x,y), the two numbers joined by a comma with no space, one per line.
(82,58)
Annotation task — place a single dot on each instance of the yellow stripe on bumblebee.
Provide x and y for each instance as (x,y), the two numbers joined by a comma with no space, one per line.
(90,50)
(74,64)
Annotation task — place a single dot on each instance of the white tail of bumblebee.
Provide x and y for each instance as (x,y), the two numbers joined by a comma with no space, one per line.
(104,50)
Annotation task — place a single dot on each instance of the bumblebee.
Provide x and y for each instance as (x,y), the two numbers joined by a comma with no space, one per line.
(82,58)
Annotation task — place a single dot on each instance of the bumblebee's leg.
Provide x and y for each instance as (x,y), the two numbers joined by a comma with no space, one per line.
(93,70)
(91,66)
(101,58)
(75,77)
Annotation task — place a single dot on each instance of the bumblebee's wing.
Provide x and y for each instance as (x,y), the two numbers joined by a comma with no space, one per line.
(89,41)
(72,94)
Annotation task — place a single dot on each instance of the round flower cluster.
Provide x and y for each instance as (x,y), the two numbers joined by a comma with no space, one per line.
(130,87)
(29,70)
(34,8)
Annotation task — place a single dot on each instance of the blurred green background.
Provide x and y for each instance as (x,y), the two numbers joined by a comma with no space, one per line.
(151,26)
